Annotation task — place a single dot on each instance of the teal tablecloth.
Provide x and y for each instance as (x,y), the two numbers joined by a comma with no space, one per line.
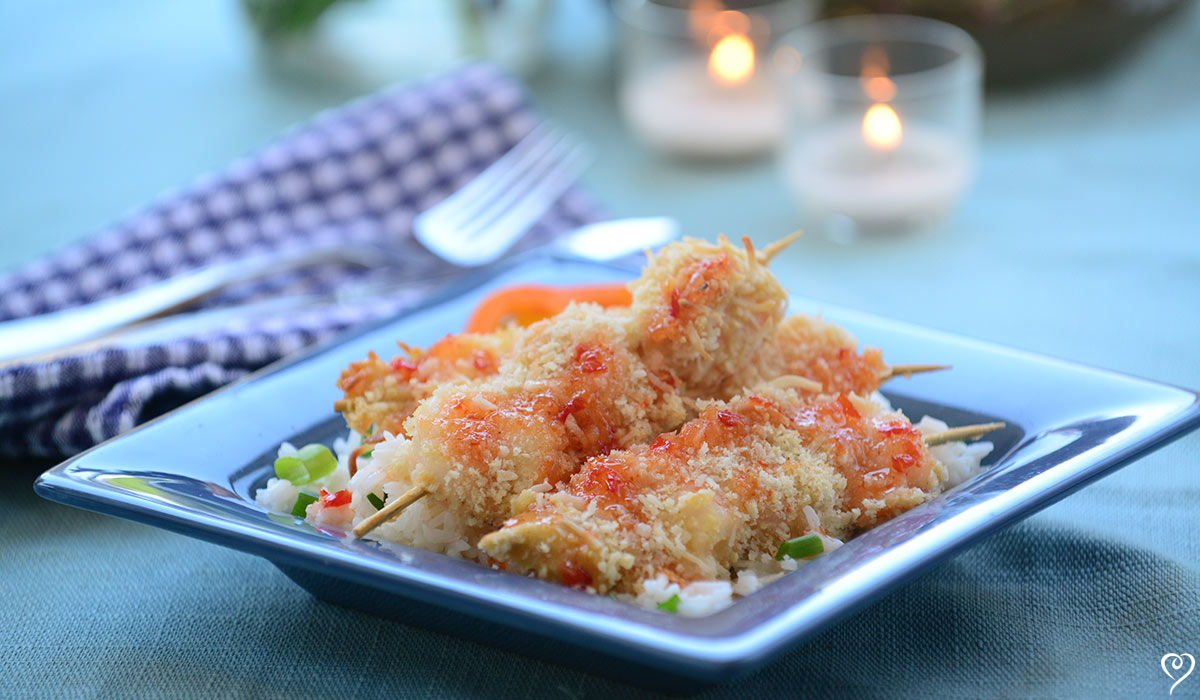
(1080,240)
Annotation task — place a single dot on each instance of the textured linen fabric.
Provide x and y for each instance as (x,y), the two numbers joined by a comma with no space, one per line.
(1078,240)
(356,175)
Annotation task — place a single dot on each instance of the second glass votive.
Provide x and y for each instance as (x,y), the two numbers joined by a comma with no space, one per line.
(884,117)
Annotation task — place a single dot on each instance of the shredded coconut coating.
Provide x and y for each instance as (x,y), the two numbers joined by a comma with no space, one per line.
(477,444)
(570,389)
(729,485)
(699,311)
(384,394)
(702,311)
(482,418)
(813,348)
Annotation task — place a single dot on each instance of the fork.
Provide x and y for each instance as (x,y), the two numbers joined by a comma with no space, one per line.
(478,223)
(474,226)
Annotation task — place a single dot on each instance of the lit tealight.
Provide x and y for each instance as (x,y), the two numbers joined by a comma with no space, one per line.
(707,96)
(881,127)
(890,149)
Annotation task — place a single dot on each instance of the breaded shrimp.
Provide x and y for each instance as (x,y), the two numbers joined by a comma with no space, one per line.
(476,445)
(732,483)
(384,394)
(713,314)
(811,347)
(702,311)
(570,389)
(696,308)
(699,311)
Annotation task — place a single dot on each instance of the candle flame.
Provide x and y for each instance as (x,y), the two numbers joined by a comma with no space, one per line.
(881,127)
(732,59)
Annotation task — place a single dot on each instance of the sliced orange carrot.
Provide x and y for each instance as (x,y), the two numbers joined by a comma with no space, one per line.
(528,303)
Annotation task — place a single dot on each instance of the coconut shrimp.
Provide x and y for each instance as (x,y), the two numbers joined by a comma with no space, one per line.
(714,315)
(734,482)
(571,388)
(579,384)
(701,311)
(679,320)
(824,352)
(380,396)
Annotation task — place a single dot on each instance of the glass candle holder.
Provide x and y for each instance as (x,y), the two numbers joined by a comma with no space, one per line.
(884,115)
(691,80)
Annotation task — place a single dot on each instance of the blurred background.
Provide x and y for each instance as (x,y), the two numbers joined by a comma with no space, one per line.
(1087,131)
(1065,198)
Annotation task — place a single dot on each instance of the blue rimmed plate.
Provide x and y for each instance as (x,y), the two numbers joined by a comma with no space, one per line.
(195,470)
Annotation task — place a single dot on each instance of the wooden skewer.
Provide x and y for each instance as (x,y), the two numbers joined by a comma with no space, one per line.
(907,371)
(391,510)
(965,432)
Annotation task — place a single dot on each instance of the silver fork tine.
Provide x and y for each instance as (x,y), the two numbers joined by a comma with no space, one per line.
(520,187)
(523,214)
(477,224)
(548,152)
(461,205)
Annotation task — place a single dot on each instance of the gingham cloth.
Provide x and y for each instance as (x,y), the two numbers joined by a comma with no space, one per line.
(357,173)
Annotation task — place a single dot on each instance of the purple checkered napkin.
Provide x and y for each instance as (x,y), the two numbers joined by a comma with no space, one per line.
(359,173)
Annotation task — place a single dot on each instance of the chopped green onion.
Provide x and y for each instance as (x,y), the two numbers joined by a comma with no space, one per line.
(318,459)
(371,430)
(366,454)
(308,464)
(670,605)
(292,469)
(375,501)
(801,547)
(302,502)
